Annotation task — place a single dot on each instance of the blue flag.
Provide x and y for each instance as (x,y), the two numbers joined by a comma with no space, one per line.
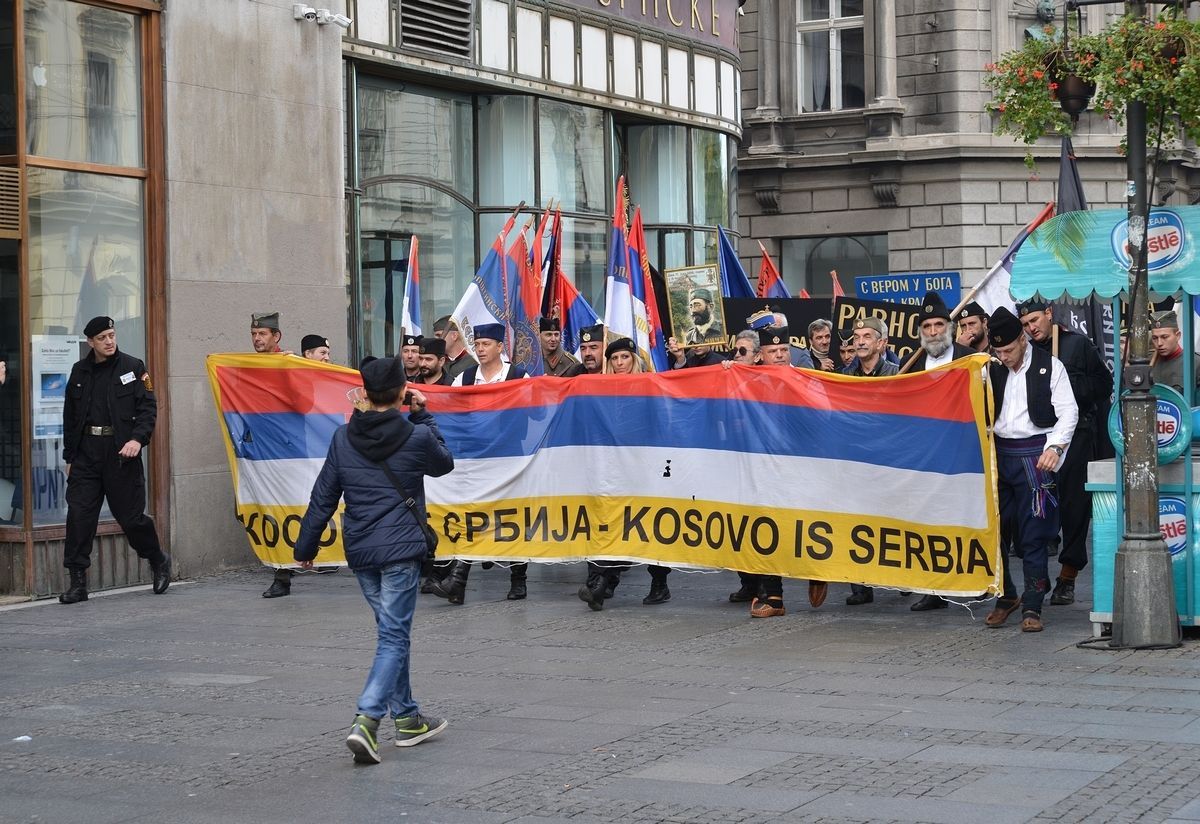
(734,283)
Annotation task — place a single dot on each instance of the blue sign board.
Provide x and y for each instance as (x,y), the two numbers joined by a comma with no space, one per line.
(910,288)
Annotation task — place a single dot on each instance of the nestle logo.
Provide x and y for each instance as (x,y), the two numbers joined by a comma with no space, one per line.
(1165,240)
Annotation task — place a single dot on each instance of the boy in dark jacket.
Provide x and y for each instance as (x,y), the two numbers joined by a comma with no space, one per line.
(383,540)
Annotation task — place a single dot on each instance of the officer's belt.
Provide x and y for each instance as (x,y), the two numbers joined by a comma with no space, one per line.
(98,430)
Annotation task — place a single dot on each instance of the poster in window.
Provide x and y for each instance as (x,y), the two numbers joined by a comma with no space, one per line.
(696,313)
(53,357)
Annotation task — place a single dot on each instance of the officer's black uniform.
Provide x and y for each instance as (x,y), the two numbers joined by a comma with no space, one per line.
(107,405)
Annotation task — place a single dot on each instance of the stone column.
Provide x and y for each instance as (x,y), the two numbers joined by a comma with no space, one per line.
(886,93)
(768,58)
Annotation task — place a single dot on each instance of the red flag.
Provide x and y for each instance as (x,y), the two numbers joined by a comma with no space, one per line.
(837,284)
(770,282)
(804,294)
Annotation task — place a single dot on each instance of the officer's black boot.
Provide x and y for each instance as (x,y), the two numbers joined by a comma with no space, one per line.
(516,587)
(659,593)
(78,589)
(454,586)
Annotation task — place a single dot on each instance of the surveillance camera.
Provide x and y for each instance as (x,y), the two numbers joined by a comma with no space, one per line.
(326,16)
(303,12)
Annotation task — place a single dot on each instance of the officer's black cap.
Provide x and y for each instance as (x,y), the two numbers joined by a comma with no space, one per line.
(313,342)
(97,325)
(933,307)
(411,340)
(1003,327)
(383,374)
(592,333)
(433,346)
(549,325)
(1031,305)
(972,310)
(773,335)
(620,345)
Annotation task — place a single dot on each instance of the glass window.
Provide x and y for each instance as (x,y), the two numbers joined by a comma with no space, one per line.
(12,353)
(831,63)
(667,248)
(656,159)
(594,45)
(493,34)
(390,214)
(505,150)
(373,19)
(8,90)
(85,259)
(83,91)
(652,81)
(529,41)
(416,132)
(677,78)
(706,84)
(562,50)
(624,65)
(572,156)
(585,256)
(705,247)
(805,262)
(729,99)
(710,178)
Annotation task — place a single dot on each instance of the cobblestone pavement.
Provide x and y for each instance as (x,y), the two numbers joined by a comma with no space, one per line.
(211,704)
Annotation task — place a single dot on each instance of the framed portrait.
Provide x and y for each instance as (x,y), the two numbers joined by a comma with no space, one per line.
(697,316)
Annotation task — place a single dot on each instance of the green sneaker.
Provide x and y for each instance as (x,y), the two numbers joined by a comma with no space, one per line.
(363,740)
(415,729)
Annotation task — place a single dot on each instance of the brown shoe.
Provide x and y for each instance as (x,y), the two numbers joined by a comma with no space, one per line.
(1000,613)
(766,608)
(817,590)
(1031,622)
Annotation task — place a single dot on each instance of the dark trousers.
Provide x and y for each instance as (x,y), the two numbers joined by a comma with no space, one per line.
(1022,533)
(98,473)
(1075,503)
(658,574)
(609,571)
(771,586)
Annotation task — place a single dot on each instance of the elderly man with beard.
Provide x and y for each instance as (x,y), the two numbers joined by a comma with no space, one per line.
(938,347)
(1035,419)
(973,327)
(870,342)
(704,327)
(1091,384)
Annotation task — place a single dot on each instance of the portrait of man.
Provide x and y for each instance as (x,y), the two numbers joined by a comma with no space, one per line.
(696,310)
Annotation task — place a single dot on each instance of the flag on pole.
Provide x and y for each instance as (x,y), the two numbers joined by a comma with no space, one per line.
(804,294)
(552,268)
(838,292)
(618,288)
(645,304)
(734,283)
(523,303)
(484,300)
(537,258)
(993,290)
(410,312)
(770,282)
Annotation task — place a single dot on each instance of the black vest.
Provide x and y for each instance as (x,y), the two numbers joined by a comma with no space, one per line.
(1037,388)
(471,371)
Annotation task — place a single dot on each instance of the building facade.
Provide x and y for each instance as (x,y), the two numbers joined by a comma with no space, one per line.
(867,149)
(178,165)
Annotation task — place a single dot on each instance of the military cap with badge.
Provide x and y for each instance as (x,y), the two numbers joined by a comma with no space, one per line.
(592,333)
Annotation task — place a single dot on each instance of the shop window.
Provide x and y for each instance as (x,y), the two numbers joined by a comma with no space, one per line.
(86,258)
(83,84)
(416,132)
(710,178)
(572,156)
(11,355)
(505,150)
(831,59)
(585,256)
(805,262)
(657,163)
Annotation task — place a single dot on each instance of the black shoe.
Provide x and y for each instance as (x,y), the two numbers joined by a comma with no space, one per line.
(1064,593)
(609,591)
(278,589)
(427,585)
(929,602)
(454,586)
(860,596)
(593,596)
(744,595)
(78,590)
(659,594)
(162,576)
(516,591)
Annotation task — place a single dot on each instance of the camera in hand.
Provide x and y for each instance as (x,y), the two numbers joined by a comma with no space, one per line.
(408,399)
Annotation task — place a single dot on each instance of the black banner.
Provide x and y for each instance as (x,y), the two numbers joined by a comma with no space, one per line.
(800,312)
(902,319)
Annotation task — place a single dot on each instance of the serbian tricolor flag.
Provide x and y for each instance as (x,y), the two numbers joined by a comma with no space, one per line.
(486,295)
(770,282)
(993,289)
(410,313)
(560,297)
(523,303)
(618,288)
(645,303)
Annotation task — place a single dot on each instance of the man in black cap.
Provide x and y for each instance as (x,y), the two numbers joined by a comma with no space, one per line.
(555,361)
(1092,384)
(108,416)
(264,332)
(704,326)
(938,347)
(315,347)
(591,352)
(378,463)
(870,343)
(432,362)
(410,356)
(1035,419)
(457,356)
(973,327)
(1168,354)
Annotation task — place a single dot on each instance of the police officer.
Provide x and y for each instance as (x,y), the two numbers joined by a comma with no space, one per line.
(1035,420)
(108,417)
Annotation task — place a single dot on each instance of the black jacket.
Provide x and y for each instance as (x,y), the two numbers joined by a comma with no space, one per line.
(960,351)
(1091,382)
(377,528)
(132,407)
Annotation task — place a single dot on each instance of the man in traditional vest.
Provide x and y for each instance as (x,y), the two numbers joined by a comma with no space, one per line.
(1035,420)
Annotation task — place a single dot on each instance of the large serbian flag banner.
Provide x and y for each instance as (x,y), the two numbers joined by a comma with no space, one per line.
(887,481)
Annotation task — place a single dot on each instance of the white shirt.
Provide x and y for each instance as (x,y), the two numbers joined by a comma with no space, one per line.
(941,360)
(480,379)
(1013,420)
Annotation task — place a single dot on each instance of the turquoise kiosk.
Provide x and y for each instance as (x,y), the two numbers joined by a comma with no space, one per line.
(1081,255)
